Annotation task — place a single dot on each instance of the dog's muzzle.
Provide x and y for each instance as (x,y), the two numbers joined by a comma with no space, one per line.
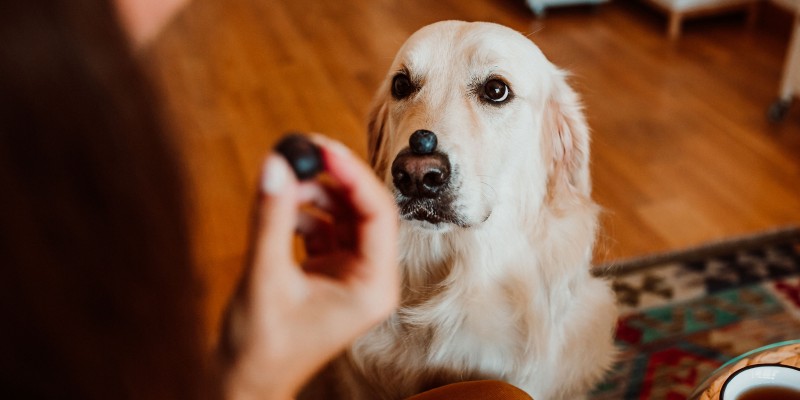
(421,175)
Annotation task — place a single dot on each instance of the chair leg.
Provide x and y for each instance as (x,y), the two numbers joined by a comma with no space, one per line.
(674,28)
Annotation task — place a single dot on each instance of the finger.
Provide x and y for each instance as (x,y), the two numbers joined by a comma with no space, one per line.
(367,197)
(336,266)
(277,214)
(322,195)
(318,233)
(325,198)
(326,220)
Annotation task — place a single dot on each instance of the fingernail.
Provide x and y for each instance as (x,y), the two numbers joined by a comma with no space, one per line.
(274,175)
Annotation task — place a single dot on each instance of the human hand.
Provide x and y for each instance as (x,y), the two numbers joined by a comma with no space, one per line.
(288,318)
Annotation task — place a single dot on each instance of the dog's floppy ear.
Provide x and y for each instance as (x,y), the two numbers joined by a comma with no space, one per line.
(566,139)
(376,122)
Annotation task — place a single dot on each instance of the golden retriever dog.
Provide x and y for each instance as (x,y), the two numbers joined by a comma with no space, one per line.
(487,152)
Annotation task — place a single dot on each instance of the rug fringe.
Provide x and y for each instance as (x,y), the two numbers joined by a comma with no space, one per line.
(777,236)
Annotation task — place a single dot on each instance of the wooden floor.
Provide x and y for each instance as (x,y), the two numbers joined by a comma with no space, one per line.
(682,152)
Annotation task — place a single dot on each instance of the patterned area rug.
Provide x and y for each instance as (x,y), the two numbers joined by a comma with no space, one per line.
(684,314)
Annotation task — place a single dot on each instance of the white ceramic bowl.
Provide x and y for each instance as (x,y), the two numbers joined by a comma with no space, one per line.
(759,376)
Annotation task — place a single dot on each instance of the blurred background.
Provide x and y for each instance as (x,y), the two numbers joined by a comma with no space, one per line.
(683,151)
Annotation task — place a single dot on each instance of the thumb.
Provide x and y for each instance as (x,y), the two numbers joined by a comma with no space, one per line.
(277,213)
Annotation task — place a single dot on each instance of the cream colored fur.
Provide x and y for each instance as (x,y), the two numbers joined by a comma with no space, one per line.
(508,293)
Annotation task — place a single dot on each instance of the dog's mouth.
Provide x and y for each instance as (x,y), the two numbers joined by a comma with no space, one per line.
(434,211)
(425,210)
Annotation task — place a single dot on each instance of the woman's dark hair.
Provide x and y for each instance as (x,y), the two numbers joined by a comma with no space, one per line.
(98,299)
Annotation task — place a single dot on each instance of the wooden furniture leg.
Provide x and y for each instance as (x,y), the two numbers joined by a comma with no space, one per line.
(674,28)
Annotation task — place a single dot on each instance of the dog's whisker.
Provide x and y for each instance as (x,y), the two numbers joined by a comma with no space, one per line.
(538,29)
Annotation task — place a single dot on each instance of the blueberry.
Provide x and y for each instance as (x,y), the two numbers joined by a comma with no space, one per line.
(422,142)
(303,155)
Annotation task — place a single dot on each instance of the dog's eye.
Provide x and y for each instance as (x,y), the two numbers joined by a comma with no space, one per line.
(402,86)
(496,91)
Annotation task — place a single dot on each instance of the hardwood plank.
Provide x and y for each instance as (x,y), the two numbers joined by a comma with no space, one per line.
(682,151)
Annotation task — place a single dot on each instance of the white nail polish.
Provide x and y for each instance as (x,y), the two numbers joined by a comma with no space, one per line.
(274,174)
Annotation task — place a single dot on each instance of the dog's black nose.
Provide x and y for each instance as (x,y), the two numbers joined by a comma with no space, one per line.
(416,175)
(422,142)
